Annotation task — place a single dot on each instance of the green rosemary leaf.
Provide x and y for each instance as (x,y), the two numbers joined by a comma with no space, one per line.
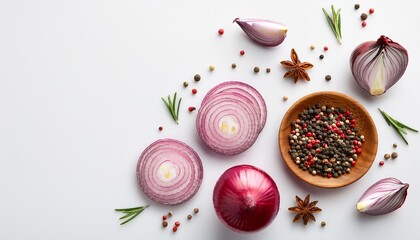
(172,106)
(334,22)
(128,209)
(398,126)
(130,213)
(126,221)
(405,126)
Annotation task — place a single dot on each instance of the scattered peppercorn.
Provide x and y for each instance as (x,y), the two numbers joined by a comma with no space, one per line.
(371,11)
(196,210)
(194,91)
(381,163)
(285,98)
(211,68)
(221,31)
(394,145)
(356,6)
(170,214)
(164,224)
(325,48)
(268,70)
(191,109)
(323,224)
(387,156)
(233,65)
(189,216)
(160,128)
(363,16)
(394,155)
(186,84)
(364,24)
(256,69)
(242,52)
(164,217)
(321,56)
(312,47)
(174,229)
(197,77)
(328,77)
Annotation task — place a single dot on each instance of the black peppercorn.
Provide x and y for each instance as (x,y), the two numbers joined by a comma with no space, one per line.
(363,16)
(197,77)
(328,77)
(356,6)
(321,56)
(256,69)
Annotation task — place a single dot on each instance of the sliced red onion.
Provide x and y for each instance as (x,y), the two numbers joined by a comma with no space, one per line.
(245,90)
(169,171)
(378,65)
(246,198)
(228,124)
(264,32)
(385,196)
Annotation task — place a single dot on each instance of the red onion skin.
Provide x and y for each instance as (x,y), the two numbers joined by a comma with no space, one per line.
(264,32)
(362,63)
(246,199)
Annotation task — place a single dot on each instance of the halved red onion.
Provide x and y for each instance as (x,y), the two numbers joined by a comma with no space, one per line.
(228,124)
(246,198)
(245,90)
(378,65)
(169,171)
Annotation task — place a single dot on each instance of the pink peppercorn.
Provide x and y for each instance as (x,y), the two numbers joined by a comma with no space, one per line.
(221,31)
(194,91)
(371,10)
(326,48)
(381,163)
(191,109)
(363,24)
(242,52)
(160,128)
(174,229)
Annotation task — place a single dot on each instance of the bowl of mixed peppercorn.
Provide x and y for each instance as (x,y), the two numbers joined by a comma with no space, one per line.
(328,139)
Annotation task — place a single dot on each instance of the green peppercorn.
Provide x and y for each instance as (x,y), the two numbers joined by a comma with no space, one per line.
(363,16)
(256,69)
(197,77)
(328,77)
(233,65)
(356,6)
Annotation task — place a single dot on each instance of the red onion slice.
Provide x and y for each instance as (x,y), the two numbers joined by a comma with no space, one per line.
(228,124)
(169,171)
(246,198)
(245,90)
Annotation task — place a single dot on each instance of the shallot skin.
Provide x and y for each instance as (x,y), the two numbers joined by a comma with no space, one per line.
(378,65)
(264,32)
(246,199)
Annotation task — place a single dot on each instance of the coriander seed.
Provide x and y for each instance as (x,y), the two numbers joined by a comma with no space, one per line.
(394,155)
(233,65)
(387,156)
(323,223)
(211,68)
(312,47)
(394,145)
(285,98)
(185,84)
(197,77)
(164,224)
(170,214)
(256,69)
(196,210)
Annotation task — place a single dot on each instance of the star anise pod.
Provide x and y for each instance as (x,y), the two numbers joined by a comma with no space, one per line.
(298,69)
(305,209)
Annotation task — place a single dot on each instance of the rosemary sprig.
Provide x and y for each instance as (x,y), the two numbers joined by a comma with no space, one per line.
(334,22)
(130,213)
(173,106)
(398,126)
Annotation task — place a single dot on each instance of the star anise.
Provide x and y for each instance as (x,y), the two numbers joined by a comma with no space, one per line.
(305,210)
(298,69)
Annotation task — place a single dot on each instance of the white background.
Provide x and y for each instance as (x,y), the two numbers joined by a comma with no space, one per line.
(80,88)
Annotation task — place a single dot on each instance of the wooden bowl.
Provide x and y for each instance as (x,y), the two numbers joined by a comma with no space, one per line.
(364,123)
